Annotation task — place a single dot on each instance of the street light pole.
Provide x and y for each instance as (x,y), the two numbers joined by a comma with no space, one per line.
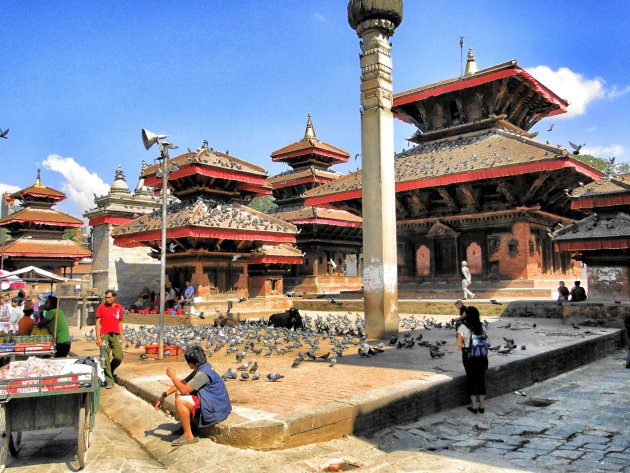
(163,254)
(149,139)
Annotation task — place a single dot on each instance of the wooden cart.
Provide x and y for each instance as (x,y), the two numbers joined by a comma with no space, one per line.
(47,402)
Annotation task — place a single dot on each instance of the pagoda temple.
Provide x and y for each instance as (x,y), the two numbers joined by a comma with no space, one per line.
(601,240)
(37,230)
(330,238)
(127,270)
(477,186)
(213,239)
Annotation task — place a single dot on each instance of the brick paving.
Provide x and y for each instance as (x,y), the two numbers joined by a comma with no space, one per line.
(575,422)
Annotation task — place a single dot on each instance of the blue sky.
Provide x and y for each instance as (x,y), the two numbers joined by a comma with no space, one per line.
(80,79)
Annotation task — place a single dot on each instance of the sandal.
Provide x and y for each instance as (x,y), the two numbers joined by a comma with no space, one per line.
(481,410)
(184,441)
(472,409)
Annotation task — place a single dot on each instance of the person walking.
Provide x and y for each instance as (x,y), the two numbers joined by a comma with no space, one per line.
(55,321)
(466,281)
(472,340)
(203,389)
(578,294)
(109,330)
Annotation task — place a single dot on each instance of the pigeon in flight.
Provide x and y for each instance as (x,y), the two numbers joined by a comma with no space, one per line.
(3,134)
(576,148)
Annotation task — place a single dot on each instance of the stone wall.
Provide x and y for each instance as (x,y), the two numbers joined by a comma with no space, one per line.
(126,270)
(608,282)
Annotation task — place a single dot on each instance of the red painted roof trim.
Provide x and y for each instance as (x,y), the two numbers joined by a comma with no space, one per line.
(137,239)
(586,245)
(45,255)
(596,202)
(110,220)
(275,259)
(475,80)
(41,222)
(326,221)
(340,158)
(480,174)
(156,182)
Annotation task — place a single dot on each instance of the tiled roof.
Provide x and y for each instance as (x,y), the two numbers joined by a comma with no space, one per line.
(39,190)
(616,185)
(596,227)
(491,150)
(44,247)
(204,213)
(318,213)
(209,158)
(301,173)
(41,216)
(311,145)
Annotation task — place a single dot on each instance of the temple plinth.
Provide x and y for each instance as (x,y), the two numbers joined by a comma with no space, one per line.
(375,22)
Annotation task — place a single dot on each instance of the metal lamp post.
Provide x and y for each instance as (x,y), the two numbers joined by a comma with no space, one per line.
(149,139)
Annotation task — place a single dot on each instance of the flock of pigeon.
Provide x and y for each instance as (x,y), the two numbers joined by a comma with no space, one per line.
(323,339)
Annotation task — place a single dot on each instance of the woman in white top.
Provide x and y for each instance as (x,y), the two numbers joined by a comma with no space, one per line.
(475,366)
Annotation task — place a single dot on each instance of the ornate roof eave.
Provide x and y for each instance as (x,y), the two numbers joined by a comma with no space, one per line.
(207,159)
(142,239)
(22,216)
(31,247)
(500,71)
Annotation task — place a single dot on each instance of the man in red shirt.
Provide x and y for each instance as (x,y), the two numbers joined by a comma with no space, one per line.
(109,329)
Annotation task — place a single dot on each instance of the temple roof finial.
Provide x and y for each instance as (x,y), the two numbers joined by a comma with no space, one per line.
(471,65)
(38,181)
(309,134)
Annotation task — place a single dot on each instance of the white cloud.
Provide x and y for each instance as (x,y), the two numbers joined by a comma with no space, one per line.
(8,188)
(318,18)
(80,184)
(574,87)
(603,151)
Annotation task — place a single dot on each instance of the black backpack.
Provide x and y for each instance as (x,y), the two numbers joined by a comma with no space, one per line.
(478,346)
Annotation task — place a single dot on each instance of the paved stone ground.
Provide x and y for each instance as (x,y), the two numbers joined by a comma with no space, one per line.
(578,421)
(585,429)
(55,450)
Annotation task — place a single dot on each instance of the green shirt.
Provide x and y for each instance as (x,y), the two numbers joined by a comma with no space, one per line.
(63,334)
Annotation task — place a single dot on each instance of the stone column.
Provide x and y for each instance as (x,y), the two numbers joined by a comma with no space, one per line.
(374,22)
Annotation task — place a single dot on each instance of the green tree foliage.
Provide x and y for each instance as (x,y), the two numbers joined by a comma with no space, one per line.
(592,161)
(264,204)
(5,235)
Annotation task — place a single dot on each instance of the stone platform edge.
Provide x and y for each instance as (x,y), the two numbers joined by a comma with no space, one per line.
(371,411)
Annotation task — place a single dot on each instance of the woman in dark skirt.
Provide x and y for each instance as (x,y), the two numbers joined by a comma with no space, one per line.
(474,364)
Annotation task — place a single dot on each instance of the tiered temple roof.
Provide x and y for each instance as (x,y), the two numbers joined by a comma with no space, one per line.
(37,231)
(210,216)
(609,227)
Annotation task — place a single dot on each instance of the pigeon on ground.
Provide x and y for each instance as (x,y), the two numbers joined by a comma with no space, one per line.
(244,376)
(255,377)
(229,374)
(363,354)
(274,376)
(332,362)
(296,363)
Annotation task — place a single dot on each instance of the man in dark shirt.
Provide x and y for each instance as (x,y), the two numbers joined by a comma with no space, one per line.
(578,294)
